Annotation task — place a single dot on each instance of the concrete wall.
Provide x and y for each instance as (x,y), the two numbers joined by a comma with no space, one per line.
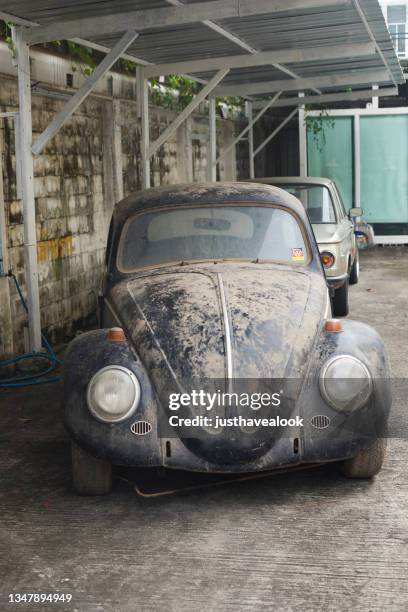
(93,162)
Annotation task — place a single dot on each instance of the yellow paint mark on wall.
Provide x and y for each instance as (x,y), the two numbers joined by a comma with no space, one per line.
(58,248)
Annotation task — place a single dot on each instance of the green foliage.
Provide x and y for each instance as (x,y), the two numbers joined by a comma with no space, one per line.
(83,56)
(176,92)
(317,125)
(5,34)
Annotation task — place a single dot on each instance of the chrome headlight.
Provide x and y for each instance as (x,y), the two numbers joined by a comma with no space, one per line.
(113,394)
(345,383)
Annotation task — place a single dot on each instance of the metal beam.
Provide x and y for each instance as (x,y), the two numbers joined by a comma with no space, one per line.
(262,59)
(143,112)
(77,99)
(24,138)
(374,99)
(250,125)
(278,129)
(18,21)
(212,149)
(264,87)
(345,96)
(126,56)
(373,38)
(103,49)
(168,17)
(357,161)
(302,137)
(250,116)
(211,85)
(236,40)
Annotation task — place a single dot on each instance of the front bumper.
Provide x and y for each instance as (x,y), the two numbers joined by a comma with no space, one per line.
(118,443)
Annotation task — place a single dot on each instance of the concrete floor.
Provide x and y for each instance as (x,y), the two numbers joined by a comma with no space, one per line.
(303,541)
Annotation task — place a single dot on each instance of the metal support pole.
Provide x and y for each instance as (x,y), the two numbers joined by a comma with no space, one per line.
(212,151)
(302,139)
(143,110)
(357,162)
(374,99)
(27,184)
(250,117)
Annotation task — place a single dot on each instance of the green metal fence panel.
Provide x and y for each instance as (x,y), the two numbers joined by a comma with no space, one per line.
(330,152)
(1,248)
(384,168)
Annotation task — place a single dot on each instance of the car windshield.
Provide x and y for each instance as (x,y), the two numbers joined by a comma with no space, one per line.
(208,232)
(315,198)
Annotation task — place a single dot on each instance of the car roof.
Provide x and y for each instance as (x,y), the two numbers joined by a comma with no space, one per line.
(302,180)
(206,193)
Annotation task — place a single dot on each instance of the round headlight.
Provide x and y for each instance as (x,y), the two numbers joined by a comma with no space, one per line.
(113,394)
(345,383)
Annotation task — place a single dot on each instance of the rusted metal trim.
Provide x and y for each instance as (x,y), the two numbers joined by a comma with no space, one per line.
(227,327)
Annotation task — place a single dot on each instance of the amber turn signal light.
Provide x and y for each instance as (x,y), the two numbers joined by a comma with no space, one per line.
(116,334)
(328,259)
(334,326)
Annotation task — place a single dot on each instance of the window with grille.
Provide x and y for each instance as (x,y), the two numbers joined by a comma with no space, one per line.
(396,19)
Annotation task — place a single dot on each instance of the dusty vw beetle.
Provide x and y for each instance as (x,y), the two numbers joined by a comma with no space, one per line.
(220,283)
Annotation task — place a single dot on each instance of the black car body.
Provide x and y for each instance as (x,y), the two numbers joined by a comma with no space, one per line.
(219,285)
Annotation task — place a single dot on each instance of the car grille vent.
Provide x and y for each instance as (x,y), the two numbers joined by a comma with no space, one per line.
(141,428)
(320,421)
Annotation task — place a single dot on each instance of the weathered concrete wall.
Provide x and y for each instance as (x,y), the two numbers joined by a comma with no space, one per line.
(85,169)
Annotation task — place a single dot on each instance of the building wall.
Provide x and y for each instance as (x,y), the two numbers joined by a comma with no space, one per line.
(92,162)
(402,51)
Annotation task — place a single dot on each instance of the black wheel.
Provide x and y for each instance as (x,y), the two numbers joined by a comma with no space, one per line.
(91,476)
(355,270)
(340,301)
(367,463)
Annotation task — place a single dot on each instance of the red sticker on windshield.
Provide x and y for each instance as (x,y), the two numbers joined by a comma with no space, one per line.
(297,255)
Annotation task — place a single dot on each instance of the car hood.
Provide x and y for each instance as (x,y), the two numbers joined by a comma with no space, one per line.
(176,319)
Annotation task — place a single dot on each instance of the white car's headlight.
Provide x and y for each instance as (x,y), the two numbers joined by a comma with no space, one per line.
(113,394)
(345,383)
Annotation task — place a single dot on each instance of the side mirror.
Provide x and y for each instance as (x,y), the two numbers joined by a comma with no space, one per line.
(355,212)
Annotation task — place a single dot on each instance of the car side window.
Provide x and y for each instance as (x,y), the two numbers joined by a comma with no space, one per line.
(340,205)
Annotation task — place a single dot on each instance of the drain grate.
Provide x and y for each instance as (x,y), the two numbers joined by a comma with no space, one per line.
(141,428)
(320,421)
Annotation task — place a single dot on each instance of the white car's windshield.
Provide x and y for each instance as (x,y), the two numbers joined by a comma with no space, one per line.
(188,234)
(315,198)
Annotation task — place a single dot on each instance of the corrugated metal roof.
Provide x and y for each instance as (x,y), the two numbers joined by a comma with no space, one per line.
(297,29)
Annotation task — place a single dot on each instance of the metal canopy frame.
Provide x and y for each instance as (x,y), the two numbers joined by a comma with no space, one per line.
(255,48)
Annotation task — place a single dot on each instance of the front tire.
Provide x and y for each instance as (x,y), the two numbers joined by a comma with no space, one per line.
(367,463)
(355,270)
(91,476)
(340,300)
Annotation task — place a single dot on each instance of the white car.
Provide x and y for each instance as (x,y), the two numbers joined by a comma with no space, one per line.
(334,230)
